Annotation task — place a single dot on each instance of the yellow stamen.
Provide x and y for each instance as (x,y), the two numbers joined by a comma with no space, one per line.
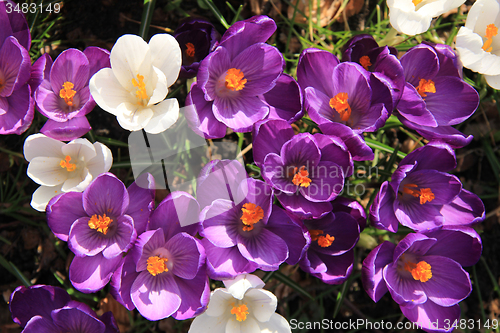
(157,265)
(141,88)
(421,271)
(101,223)
(67,93)
(301,177)
(190,50)
(66,165)
(425,86)
(425,194)
(416,2)
(251,215)
(235,80)
(241,312)
(365,61)
(323,241)
(491,31)
(339,103)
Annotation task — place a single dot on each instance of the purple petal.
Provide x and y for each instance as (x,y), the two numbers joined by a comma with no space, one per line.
(225,263)
(317,105)
(276,173)
(220,223)
(40,71)
(195,294)
(352,207)
(240,112)
(200,116)
(465,209)
(75,320)
(420,62)
(301,150)
(355,142)
(40,324)
(315,69)
(106,195)
(432,317)
(66,131)
(382,209)
(270,136)
(412,108)
(404,290)
(256,192)
(418,217)
(110,322)
(122,239)
(146,246)
(435,156)
(122,280)
(327,182)
(187,255)
(330,269)
(70,66)
(444,186)
(449,63)
(62,211)
(303,208)
(415,243)
(85,241)
(90,274)
(371,273)
(98,59)
(141,201)
(290,108)
(15,66)
(17,111)
(210,71)
(447,134)
(256,248)
(334,150)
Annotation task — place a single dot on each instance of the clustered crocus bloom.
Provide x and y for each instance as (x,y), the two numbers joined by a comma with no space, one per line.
(63,93)
(135,87)
(478,42)
(243,306)
(100,225)
(422,196)
(424,274)
(44,309)
(61,167)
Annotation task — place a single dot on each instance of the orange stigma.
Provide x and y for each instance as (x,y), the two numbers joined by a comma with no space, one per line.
(190,50)
(323,241)
(140,94)
(339,103)
(491,31)
(365,61)
(66,165)
(421,271)
(101,223)
(301,177)
(425,194)
(235,80)
(241,312)
(67,93)
(251,215)
(157,265)
(416,2)
(426,86)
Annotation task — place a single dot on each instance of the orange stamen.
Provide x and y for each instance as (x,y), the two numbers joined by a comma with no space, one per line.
(68,166)
(101,223)
(365,61)
(426,86)
(416,2)
(241,312)
(251,215)
(425,194)
(190,50)
(491,31)
(323,241)
(140,94)
(339,103)
(301,177)
(157,265)
(235,80)
(421,271)
(67,93)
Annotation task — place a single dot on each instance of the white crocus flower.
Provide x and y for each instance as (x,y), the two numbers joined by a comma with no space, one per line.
(478,43)
(63,167)
(414,17)
(135,87)
(243,306)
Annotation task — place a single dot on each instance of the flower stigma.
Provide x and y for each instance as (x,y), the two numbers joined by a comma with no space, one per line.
(416,2)
(491,31)
(301,177)
(67,93)
(365,62)
(425,194)
(323,241)
(140,94)
(421,271)
(240,311)
(101,223)
(190,50)
(339,103)
(66,165)
(157,265)
(425,86)
(251,215)
(235,80)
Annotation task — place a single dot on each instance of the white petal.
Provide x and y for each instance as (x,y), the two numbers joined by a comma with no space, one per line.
(47,171)
(436,8)
(166,55)
(132,118)
(240,284)
(409,22)
(277,324)
(248,325)
(42,196)
(469,48)
(78,182)
(80,150)
(482,13)
(165,114)
(261,303)
(219,303)
(102,161)
(41,145)
(493,81)
(107,92)
(204,323)
(160,88)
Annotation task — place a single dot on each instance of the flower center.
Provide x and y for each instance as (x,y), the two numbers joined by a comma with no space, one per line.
(339,103)
(251,215)
(416,2)
(101,223)
(157,265)
(301,177)
(323,241)
(365,61)
(426,86)
(241,312)
(66,165)
(235,80)
(67,93)
(2,85)
(491,31)
(421,271)
(190,50)
(140,94)
(425,194)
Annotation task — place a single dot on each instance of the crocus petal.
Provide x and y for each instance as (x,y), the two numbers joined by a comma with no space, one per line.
(465,209)
(371,273)
(274,173)
(42,196)
(240,113)
(90,274)
(165,114)
(247,326)
(412,107)
(141,201)
(41,145)
(258,249)
(276,323)
(200,116)
(47,171)
(122,280)
(432,317)
(327,182)
(75,320)
(187,255)
(219,301)
(270,136)
(416,216)
(15,66)
(404,290)
(382,209)
(225,263)
(40,71)
(17,111)
(302,207)
(427,60)
(493,81)
(195,294)
(355,142)
(290,108)
(220,223)
(70,66)
(315,69)
(166,55)
(39,324)
(98,59)
(469,46)
(101,162)
(204,323)
(66,131)
(435,156)
(85,241)
(330,269)
(63,211)
(106,195)
(262,303)
(107,91)
(122,239)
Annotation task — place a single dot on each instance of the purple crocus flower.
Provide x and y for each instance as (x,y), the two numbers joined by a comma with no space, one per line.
(344,99)
(422,196)
(435,97)
(197,38)
(48,309)
(232,80)
(63,93)
(165,274)
(308,171)
(424,274)
(13,23)
(100,225)
(382,60)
